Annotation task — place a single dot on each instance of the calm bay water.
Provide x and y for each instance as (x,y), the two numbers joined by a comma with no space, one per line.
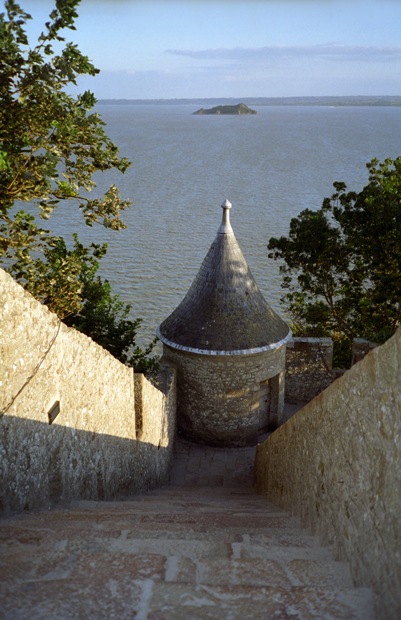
(270,166)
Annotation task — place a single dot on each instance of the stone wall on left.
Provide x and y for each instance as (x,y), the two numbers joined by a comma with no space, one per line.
(67,407)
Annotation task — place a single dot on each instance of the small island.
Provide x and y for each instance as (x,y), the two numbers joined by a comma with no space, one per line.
(240,108)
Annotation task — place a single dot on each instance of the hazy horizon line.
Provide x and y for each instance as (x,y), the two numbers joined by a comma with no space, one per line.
(393,98)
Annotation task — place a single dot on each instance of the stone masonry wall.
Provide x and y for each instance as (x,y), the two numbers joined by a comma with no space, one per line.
(360,347)
(309,364)
(218,396)
(91,449)
(336,464)
(155,412)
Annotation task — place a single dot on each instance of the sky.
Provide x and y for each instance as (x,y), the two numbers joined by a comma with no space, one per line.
(163,49)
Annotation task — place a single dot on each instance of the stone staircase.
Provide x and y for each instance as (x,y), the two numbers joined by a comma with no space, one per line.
(204,547)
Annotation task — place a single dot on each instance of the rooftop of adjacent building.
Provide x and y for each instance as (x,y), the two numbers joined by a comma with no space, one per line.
(224,312)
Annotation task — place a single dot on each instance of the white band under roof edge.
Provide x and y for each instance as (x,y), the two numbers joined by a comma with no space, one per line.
(267,347)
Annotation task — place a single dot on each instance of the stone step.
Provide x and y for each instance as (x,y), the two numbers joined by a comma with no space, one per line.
(206,547)
(216,602)
(147,599)
(277,543)
(177,553)
(185,497)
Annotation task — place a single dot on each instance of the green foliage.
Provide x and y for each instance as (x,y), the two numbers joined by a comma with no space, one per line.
(342,263)
(51,144)
(102,315)
(53,274)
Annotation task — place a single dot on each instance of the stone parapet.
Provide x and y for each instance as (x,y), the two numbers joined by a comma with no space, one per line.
(309,365)
(360,347)
(336,464)
(67,423)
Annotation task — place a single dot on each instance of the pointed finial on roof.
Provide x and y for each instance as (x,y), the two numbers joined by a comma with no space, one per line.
(225,227)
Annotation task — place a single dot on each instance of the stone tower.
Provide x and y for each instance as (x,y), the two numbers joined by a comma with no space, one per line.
(228,347)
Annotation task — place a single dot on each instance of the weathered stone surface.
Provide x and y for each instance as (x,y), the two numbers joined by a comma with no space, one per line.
(360,347)
(107,598)
(336,464)
(214,602)
(231,556)
(243,572)
(309,368)
(218,397)
(17,566)
(203,522)
(91,449)
(134,565)
(318,573)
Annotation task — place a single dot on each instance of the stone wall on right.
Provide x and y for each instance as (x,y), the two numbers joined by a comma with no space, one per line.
(337,464)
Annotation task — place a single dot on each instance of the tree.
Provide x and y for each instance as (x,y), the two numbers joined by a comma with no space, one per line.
(51,144)
(101,314)
(342,263)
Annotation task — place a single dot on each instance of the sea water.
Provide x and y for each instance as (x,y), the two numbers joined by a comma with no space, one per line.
(271,166)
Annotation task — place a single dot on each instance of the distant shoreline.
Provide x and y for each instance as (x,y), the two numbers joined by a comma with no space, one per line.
(374,101)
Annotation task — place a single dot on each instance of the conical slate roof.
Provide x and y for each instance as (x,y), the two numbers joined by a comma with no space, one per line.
(224,311)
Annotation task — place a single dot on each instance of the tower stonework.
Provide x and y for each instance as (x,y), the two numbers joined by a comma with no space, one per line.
(228,347)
